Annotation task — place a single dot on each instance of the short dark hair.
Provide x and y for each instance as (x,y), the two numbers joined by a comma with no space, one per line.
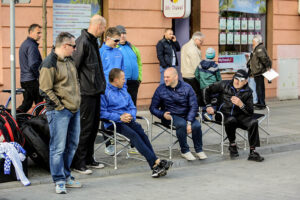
(32,27)
(62,37)
(168,29)
(114,73)
(111,31)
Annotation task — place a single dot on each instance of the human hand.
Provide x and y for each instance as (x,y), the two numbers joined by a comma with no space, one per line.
(210,110)
(174,38)
(188,128)
(126,117)
(167,115)
(237,101)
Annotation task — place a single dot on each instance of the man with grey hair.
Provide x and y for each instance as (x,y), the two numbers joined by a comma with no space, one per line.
(60,87)
(258,64)
(190,59)
(92,84)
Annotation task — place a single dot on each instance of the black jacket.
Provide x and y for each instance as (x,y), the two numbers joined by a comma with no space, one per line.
(164,52)
(259,61)
(89,66)
(226,90)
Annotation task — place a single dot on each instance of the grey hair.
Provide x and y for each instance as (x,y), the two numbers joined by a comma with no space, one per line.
(257,38)
(197,35)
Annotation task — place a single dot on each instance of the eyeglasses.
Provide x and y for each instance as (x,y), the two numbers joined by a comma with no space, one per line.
(74,46)
(115,40)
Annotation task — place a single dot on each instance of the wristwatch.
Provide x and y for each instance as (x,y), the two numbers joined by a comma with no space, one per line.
(189,123)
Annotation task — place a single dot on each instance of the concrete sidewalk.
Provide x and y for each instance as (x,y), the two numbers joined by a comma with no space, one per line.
(285,136)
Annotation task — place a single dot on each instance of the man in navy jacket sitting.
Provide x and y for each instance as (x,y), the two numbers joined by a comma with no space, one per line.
(178,100)
(117,105)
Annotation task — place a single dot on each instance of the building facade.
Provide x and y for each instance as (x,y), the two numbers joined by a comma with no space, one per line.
(145,24)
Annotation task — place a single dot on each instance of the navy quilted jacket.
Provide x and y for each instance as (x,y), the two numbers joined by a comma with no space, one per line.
(180,101)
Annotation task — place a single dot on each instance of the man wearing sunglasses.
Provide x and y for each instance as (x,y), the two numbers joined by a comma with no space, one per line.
(236,104)
(111,56)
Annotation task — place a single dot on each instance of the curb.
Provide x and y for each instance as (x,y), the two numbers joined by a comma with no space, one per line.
(177,163)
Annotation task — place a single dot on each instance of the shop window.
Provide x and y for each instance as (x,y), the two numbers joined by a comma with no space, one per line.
(239,21)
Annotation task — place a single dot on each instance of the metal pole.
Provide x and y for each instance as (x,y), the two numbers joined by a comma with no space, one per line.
(12,59)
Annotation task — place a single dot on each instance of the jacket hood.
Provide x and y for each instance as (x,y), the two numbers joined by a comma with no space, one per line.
(105,47)
(206,64)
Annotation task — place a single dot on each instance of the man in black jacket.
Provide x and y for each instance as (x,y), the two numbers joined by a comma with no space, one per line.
(92,84)
(236,104)
(258,64)
(30,60)
(166,49)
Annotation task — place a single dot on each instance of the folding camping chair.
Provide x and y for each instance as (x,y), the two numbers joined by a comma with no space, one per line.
(118,139)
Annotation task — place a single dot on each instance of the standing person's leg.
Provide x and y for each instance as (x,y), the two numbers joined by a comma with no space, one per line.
(132,89)
(260,89)
(58,126)
(196,86)
(27,96)
(162,71)
(179,72)
(87,112)
(252,85)
(138,143)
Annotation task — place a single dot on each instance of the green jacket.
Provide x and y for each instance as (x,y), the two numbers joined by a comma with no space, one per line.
(207,73)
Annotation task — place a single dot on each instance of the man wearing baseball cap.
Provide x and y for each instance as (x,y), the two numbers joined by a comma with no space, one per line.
(236,104)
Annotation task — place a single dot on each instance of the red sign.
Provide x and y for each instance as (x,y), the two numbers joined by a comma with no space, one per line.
(226,60)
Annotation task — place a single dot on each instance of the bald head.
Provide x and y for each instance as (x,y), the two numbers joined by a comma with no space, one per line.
(171,77)
(97,25)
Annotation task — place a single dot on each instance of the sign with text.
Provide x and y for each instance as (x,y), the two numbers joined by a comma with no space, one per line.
(16,1)
(177,8)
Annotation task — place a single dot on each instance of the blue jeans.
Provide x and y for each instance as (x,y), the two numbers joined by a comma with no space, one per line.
(162,71)
(252,85)
(180,124)
(135,133)
(64,137)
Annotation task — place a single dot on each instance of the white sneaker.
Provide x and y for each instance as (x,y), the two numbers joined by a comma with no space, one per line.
(201,155)
(188,156)
(110,150)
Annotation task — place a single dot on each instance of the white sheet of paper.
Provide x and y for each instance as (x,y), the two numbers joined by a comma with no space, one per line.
(271,74)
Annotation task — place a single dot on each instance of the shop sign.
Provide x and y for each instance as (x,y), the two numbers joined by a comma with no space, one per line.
(176,8)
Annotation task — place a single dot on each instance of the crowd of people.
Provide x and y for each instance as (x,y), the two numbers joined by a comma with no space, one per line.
(82,83)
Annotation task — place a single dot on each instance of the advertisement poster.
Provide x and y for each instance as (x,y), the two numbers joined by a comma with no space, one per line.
(237,38)
(72,17)
(229,38)
(237,23)
(250,24)
(246,6)
(223,23)
(229,23)
(244,23)
(232,63)
(222,38)
(244,38)
(250,37)
(257,24)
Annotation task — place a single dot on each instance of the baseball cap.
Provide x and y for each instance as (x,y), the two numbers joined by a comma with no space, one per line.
(121,29)
(241,75)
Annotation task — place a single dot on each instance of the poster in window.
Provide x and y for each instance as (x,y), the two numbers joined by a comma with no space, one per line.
(223,23)
(250,37)
(237,23)
(250,23)
(237,38)
(229,23)
(229,38)
(257,24)
(244,38)
(222,38)
(244,23)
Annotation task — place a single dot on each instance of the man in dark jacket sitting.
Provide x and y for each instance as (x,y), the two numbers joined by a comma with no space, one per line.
(237,107)
(178,100)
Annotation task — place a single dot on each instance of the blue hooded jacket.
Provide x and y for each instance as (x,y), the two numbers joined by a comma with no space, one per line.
(114,103)
(180,101)
(130,62)
(111,58)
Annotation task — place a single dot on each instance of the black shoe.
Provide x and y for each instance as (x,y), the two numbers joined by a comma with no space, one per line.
(233,151)
(254,156)
(83,170)
(95,165)
(158,171)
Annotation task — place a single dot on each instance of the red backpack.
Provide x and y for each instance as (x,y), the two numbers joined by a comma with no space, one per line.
(9,129)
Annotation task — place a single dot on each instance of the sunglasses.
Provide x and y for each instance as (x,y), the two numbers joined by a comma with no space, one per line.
(115,40)
(74,46)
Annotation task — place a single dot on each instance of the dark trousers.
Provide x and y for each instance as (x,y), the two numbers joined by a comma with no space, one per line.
(132,89)
(196,86)
(89,124)
(260,89)
(244,122)
(135,133)
(30,95)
